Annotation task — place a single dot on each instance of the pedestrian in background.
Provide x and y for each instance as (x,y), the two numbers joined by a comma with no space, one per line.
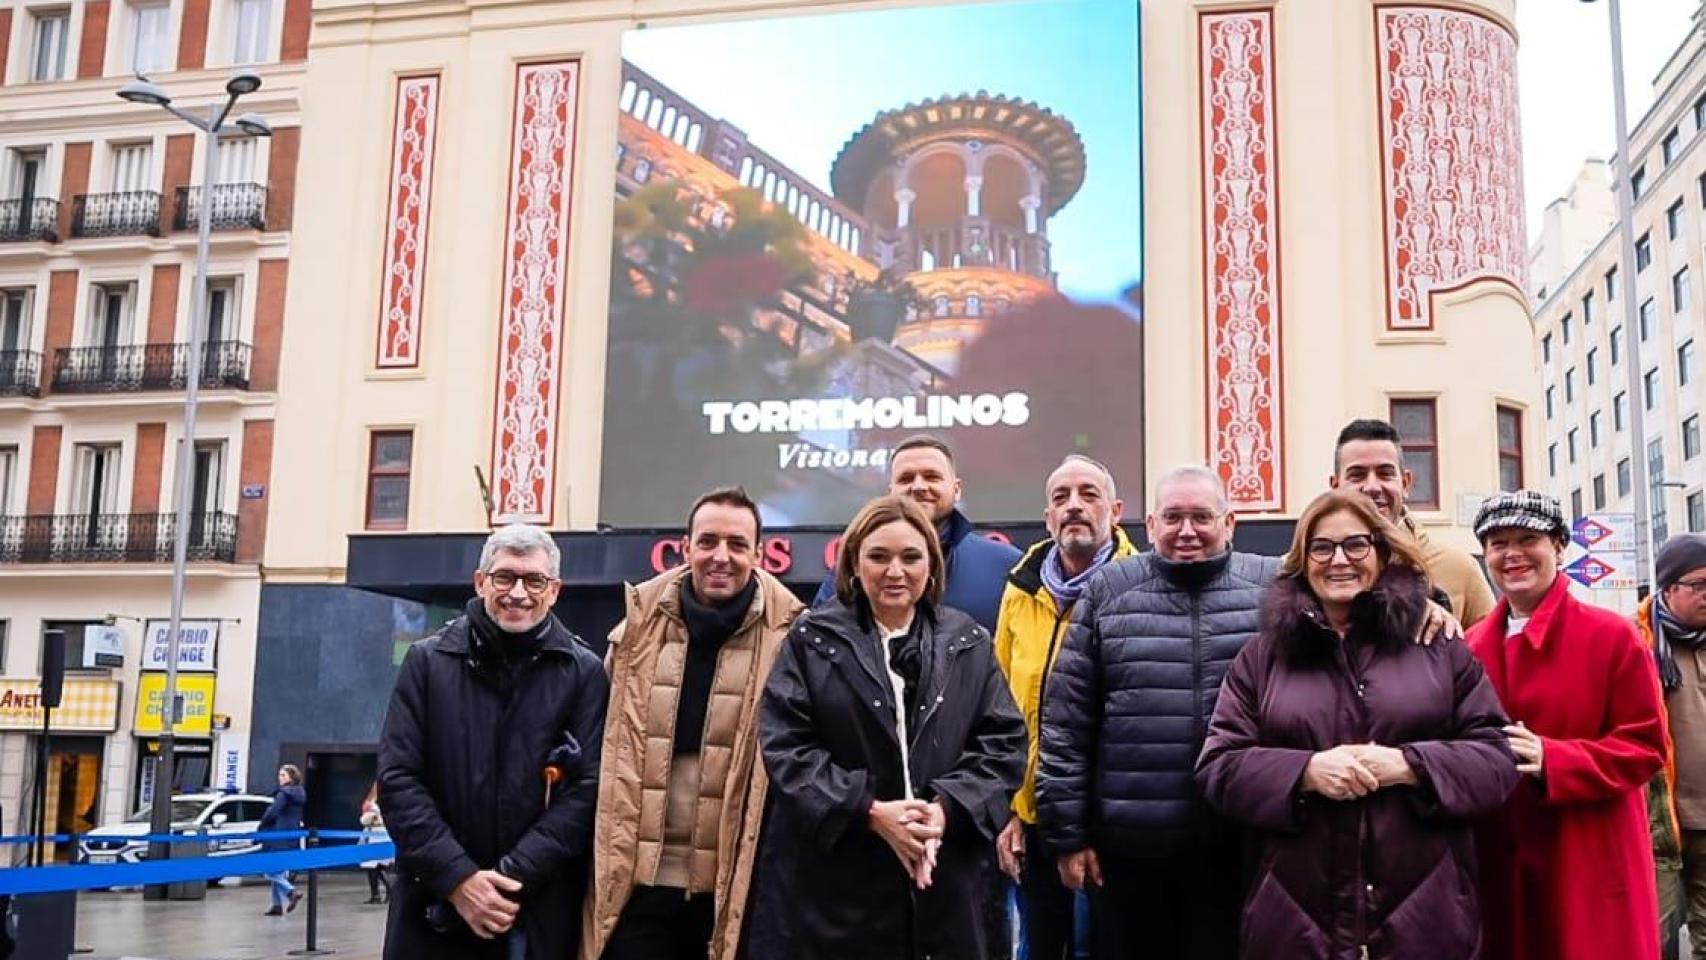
(373,831)
(289,802)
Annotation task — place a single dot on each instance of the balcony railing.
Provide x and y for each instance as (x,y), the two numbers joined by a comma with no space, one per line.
(154,366)
(236,206)
(34,219)
(20,373)
(116,214)
(114,538)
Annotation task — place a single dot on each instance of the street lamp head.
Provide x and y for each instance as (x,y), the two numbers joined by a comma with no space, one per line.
(243,82)
(144,91)
(254,125)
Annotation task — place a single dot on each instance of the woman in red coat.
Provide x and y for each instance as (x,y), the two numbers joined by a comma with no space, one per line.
(1567,865)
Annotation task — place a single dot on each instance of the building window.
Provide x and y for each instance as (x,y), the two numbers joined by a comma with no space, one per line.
(1576,503)
(1611,283)
(150,37)
(8,480)
(1575,434)
(1593,430)
(52,34)
(14,326)
(1593,366)
(96,481)
(1587,309)
(132,167)
(1616,345)
(1564,329)
(1418,423)
(1702,182)
(389,458)
(1691,437)
(1673,220)
(75,639)
(1638,186)
(1510,448)
(1656,477)
(1696,512)
(1645,328)
(1643,252)
(1619,411)
(1551,395)
(1599,491)
(1546,348)
(1685,364)
(1623,474)
(1700,115)
(1668,146)
(1679,292)
(111,315)
(1552,459)
(253,23)
(1650,388)
(1570,385)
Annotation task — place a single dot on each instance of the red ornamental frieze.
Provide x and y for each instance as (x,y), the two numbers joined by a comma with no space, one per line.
(536,245)
(1452,157)
(1241,257)
(413,140)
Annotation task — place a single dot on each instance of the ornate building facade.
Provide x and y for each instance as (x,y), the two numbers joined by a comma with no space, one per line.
(1332,227)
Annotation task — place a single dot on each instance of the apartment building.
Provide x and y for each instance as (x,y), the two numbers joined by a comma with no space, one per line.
(100,202)
(1580,321)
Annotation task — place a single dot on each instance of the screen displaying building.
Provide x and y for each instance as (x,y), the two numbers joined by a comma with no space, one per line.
(835,231)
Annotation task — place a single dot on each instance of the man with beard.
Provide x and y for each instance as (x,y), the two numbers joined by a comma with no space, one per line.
(682,795)
(491,855)
(1673,623)
(1369,457)
(922,468)
(1082,512)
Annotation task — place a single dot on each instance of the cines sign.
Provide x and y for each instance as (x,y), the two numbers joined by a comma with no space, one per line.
(776,554)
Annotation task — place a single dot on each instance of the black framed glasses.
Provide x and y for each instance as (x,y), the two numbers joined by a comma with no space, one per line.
(1356,547)
(533,583)
(1698,585)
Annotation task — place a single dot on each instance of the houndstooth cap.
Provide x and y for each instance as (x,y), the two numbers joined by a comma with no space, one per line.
(1527,509)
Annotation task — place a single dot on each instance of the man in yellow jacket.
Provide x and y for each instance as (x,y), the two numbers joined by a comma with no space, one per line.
(1082,514)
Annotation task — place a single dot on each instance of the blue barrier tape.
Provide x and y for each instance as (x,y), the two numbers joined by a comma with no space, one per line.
(22,880)
(266,835)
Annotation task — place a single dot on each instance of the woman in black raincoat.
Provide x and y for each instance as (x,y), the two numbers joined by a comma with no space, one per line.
(881,865)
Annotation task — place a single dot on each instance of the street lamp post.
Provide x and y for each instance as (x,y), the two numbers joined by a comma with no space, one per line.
(211,125)
(1644,545)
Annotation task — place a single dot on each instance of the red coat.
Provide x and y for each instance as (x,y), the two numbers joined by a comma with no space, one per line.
(1567,865)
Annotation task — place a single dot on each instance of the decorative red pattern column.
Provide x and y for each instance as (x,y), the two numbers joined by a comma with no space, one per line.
(1241,257)
(404,278)
(536,246)
(1451,154)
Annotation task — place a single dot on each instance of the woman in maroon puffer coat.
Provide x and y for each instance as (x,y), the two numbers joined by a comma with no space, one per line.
(1357,756)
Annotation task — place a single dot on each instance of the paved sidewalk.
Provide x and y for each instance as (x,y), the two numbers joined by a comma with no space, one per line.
(228,925)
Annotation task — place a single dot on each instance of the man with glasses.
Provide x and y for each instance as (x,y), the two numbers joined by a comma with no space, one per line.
(682,794)
(1673,622)
(1127,708)
(1128,704)
(488,769)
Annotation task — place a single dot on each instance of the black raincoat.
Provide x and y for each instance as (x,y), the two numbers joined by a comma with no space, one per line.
(828,731)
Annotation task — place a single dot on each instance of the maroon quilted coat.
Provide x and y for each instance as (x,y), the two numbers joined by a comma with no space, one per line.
(1391,875)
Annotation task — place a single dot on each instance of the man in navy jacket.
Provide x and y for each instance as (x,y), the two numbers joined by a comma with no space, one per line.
(922,467)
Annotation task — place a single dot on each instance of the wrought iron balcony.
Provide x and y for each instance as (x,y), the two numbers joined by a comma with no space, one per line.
(154,366)
(114,538)
(116,214)
(34,219)
(236,206)
(20,373)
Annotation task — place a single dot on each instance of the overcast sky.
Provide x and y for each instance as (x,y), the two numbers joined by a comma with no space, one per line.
(1565,63)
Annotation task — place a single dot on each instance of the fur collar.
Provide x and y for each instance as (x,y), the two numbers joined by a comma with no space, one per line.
(1388,616)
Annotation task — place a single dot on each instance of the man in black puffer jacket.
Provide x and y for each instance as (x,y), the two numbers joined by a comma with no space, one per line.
(1124,717)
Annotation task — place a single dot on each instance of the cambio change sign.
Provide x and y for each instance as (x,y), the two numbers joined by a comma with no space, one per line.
(198,645)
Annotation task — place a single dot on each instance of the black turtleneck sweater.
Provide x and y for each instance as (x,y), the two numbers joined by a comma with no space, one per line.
(1192,575)
(709,626)
(498,650)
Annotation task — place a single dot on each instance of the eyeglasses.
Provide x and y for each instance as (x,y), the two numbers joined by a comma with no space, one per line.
(1356,547)
(1698,586)
(533,583)
(1198,518)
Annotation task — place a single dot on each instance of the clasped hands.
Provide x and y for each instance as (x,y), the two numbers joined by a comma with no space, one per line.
(913,830)
(1355,770)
